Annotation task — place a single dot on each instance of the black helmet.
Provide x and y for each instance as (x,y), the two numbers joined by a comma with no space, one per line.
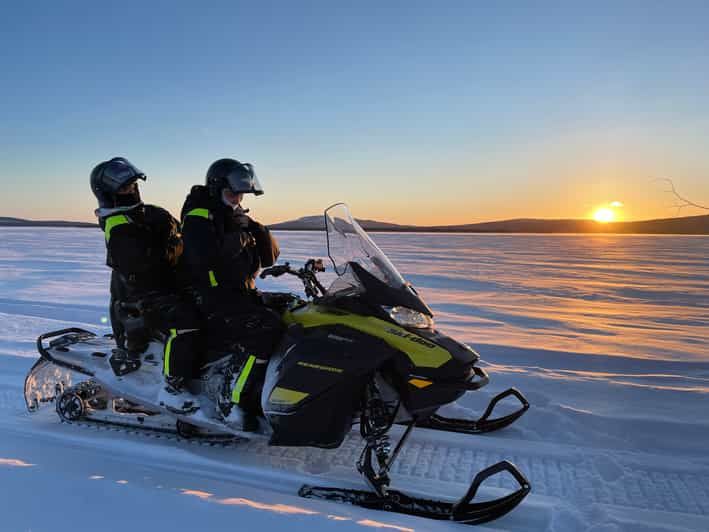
(232,174)
(109,176)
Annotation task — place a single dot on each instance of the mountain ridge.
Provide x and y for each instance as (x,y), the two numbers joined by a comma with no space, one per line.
(8,221)
(690,225)
(693,225)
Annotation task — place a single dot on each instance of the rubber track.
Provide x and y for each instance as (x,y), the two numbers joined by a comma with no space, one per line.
(157,434)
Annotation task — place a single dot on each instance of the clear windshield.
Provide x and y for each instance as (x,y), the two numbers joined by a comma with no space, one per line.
(347,242)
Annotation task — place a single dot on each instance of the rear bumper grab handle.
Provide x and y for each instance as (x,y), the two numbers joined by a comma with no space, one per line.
(44,352)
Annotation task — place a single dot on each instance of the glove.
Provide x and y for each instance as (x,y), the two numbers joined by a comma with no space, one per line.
(266,244)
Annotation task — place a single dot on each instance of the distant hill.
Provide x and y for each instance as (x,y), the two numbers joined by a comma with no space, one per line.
(317,223)
(20,222)
(689,225)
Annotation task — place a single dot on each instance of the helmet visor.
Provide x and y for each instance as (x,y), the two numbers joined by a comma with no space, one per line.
(118,173)
(243,179)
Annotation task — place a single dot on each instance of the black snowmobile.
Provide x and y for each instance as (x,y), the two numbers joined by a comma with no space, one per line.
(364,351)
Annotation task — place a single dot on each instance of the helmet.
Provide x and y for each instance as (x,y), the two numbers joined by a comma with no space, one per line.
(109,176)
(232,174)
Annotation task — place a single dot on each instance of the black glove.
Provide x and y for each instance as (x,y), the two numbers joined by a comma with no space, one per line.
(258,230)
(266,244)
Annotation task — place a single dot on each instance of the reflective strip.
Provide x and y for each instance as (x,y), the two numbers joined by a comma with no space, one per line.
(168,349)
(114,221)
(202,213)
(212,279)
(241,381)
(284,396)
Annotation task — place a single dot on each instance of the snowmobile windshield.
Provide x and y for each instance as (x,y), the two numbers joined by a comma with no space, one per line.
(361,266)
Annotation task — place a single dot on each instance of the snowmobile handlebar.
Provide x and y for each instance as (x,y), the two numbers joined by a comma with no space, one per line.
(307,274)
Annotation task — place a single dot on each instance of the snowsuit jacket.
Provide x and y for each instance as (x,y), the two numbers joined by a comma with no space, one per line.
(143,246)
(223,251)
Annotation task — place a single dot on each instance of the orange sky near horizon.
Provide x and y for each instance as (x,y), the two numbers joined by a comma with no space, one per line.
(419,204)
(422,116)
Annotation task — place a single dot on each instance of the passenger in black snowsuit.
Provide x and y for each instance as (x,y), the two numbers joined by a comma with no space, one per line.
(143,246)
(223,251)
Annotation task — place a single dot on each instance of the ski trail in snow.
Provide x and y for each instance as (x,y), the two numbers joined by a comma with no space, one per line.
(606,336)
(432,464)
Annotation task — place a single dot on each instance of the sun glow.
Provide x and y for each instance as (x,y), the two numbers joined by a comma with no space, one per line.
(604,215)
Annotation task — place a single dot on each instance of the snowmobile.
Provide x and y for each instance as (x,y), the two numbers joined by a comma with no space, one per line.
(362,352)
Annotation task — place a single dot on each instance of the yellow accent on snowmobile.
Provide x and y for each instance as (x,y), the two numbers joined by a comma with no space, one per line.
(284,396)
(420,383)
(423,353)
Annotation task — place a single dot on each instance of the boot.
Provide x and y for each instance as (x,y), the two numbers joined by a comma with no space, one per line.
(244,407)
(176,398)
(239,419)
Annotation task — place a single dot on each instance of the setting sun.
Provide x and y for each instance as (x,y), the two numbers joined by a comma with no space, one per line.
(604,215)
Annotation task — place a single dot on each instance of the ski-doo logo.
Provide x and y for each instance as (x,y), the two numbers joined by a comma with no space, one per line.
(320,367)
(412,337)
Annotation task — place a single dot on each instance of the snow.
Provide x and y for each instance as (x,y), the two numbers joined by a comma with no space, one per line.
(607,336)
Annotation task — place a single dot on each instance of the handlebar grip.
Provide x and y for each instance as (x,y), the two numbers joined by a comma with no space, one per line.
(275,271)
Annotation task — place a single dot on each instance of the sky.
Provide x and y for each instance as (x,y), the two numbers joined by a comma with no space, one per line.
(412,112)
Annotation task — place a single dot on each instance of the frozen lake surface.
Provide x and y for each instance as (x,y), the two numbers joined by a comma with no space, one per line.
(607,335)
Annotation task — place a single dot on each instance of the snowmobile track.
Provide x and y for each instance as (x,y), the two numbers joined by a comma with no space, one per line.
(156,434)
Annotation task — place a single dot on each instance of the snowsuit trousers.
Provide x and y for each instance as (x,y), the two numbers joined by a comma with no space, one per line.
(253,332)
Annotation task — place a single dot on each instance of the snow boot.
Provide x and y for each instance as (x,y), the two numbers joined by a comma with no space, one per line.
(238,419)
(176,398)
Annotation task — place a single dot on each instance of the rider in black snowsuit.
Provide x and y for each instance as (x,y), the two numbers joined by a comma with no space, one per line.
(143,246)
(223,251)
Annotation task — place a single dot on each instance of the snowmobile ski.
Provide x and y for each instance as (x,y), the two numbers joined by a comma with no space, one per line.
(482,424)
(463,511)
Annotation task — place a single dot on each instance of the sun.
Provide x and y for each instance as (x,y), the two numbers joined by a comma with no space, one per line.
(604,215)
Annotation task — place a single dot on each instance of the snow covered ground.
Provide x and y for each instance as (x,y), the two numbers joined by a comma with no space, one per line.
(608,336)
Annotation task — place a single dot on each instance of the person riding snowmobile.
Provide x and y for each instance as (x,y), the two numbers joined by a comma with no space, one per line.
(224,249)
(143,245)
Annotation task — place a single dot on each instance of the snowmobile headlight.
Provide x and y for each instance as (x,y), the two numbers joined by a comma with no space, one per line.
(407,317)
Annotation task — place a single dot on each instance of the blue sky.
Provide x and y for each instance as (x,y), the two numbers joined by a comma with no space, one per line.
(416,112)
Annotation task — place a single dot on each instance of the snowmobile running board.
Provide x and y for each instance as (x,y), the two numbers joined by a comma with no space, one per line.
(463,511)
(481,425)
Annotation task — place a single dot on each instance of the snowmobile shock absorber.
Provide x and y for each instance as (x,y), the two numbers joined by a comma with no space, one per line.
(375,422)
